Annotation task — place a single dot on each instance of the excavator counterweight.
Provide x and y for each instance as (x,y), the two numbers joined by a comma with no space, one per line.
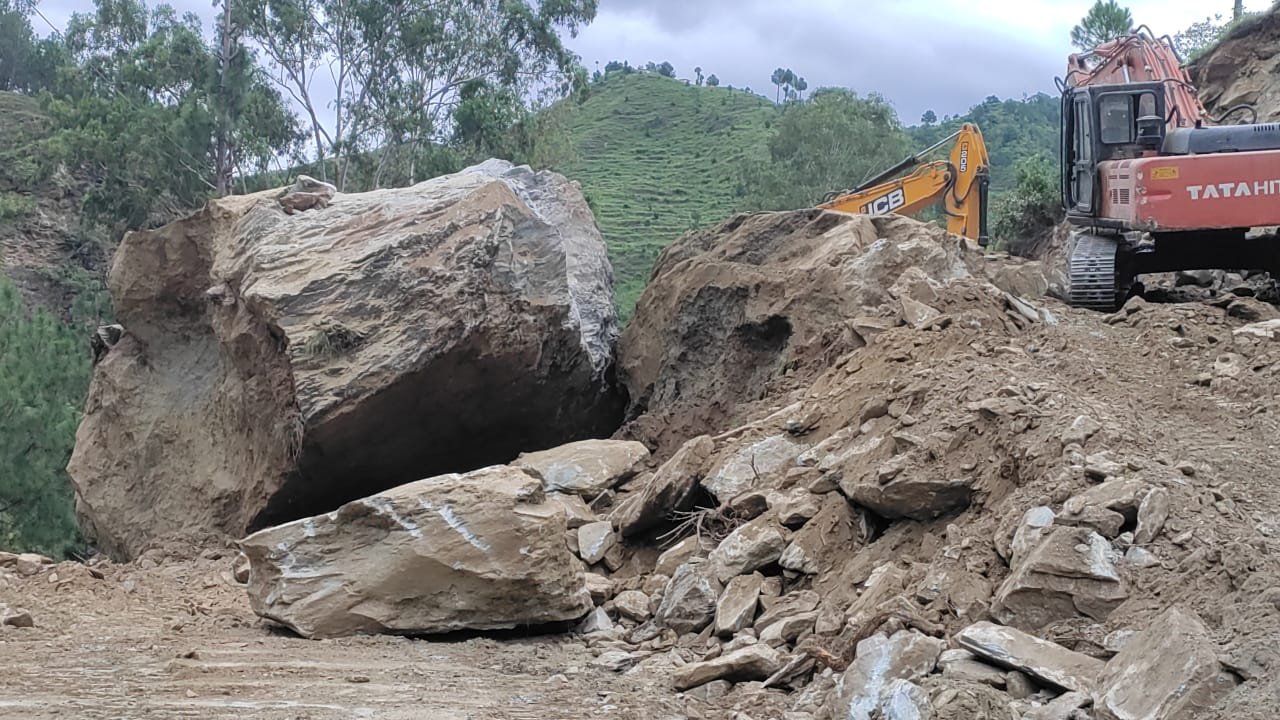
(959,184)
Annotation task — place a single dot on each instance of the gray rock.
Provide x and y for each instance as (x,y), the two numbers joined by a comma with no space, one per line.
(962,665)
(1168,671)
(1152,514)
(795,507)
(1069,572)
(1062,707)
(369,343)
(865,687)
(1018,685)
(632,604)
(1140,557)
(801,601)
(586,467)
(787,629)
(615,661)
(596,621)
(749,548)
(757,466)
(1082,428)
(754,662)
(16,618)
(689,603)
(909,496)
(836,529)
(477,551)
(677,555)
(1011,648)
(673,487)
(595,540)
(736,608)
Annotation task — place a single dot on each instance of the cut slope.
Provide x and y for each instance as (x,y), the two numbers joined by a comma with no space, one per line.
(657,157)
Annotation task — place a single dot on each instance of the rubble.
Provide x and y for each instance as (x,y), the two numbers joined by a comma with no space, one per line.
(868,686)
(754,662)
(689,602)
(586,467)
(1068,572)
(749,548)
(671,488)
(736,608)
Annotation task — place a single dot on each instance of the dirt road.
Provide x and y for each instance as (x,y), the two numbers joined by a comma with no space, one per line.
(177,641)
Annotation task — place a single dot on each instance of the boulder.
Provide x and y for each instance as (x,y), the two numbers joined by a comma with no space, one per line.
(909,496)
(1068,573)
(754,662)
(477,551)
(279,365)
(1011,648)
(586,467)
(962,665)
(884,583)
(749,548)
(1152,514)
(576,511)
(736,608)
(595,540)
(1167,672)
(796,603)
(689,602)
(673,487)
(596,621)
(788,629)
(756,466)
(677,555)
(867,685)
(1082,428)
(796,507)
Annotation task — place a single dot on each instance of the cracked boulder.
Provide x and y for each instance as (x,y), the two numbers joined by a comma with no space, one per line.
(275,366)
(479,551)
(1069,572)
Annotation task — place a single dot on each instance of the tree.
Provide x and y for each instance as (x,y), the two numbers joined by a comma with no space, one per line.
(801,85)
(399,68)
(713,81)
(697,74)
(1106,20)
(666,69)
(929,117)
(834,141)
(779,78)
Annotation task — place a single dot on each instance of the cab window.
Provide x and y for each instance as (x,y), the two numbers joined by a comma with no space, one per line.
(1116,112)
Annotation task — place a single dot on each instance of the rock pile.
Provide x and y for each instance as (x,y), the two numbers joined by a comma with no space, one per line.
(1241,69)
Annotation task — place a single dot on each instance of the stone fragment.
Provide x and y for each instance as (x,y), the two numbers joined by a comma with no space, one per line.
(750,504)
(1168,671)
(1106,523)
(479,551)
(833,532)
(1062,707)
(904,700)
(1018,685)
(801,601)
(962,665)
(879,660)
(796,507)
(600,587)
(1011,648)
(30,563)
(672,488)
(576,511)
(736,608)
(689,602)
(754,662)
(760,465)
(16,618)
(787,629)
(1069,572)
(595,540)
(749,548)
(677,555)
(885,582)
(910,496)
(1082,428)
(917,314)
(596,621)
(586,467)
(240,568)
(1099,467)
(615,661)
(1140,557)
(632,604)
(1152,514)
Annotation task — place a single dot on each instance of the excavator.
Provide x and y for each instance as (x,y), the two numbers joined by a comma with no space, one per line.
(1150,182)
(959,184)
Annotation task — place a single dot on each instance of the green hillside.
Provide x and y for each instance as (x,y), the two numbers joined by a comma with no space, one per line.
(657,157)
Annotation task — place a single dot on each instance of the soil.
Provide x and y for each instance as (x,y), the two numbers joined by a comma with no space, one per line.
(178,640)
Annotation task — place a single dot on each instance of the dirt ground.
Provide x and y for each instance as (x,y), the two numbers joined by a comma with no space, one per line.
(179,641)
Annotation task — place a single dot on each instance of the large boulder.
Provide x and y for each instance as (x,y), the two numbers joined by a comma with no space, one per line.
(483,551)
(276,365)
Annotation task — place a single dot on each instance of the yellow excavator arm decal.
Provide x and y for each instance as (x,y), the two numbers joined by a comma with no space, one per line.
(958,183)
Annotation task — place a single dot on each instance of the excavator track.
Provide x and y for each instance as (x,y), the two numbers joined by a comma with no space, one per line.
(1093,273)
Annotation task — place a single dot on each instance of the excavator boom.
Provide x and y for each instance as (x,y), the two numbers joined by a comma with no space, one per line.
(958,184)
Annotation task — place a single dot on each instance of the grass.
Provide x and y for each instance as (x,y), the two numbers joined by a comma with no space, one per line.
(657,157)
(22,127)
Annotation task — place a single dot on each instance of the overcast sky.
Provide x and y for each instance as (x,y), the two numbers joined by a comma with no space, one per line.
(944,55)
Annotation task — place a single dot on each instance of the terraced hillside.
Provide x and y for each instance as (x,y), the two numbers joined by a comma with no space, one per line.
(657,157)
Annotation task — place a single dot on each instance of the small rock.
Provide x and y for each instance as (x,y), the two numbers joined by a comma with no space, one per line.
(959,664)
(737,606)
(586,467)
(596,621)
(595,540)
(754,662)
(673,487)
(30,563)
(749,548)
(788,629)
(358,679)
(689,602)
(1062,707)
(240,568)
(802,601)
(600,587)
(1115,641)
(1186,468)
(576,511)
(632,604)
(1069,572)
(917,314)
(1082,428)
(711,691)
(677,555)
(1014,649)
(1140,557)
(796,507)
(615,660)
(750,504)
(1018,685)
(1100,467)
(1152,514)
(16,618)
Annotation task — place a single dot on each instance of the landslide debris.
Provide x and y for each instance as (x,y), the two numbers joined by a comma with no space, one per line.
(277,365)
(1242,68)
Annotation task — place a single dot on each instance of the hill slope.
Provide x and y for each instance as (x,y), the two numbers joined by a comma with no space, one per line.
(657,157)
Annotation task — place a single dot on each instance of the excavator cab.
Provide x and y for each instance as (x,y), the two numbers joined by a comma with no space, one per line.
(1102,123)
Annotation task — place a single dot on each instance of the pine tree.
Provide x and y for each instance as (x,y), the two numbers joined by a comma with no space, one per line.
(1106,20)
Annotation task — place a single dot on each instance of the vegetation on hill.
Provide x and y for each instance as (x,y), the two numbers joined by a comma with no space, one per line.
(655,158)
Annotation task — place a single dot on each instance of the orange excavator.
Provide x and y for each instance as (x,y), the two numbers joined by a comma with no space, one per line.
(958,184)
(1150,182)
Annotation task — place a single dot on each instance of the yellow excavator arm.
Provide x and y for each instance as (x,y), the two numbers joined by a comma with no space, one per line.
(958,183)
